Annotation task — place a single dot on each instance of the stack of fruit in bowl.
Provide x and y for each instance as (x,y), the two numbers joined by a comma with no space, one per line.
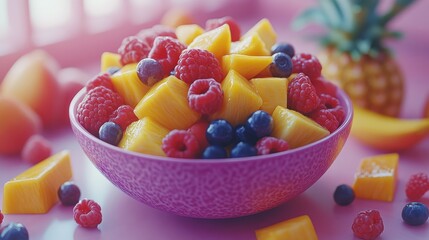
(209,93)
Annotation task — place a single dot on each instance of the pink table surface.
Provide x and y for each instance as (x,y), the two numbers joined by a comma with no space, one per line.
(124,217)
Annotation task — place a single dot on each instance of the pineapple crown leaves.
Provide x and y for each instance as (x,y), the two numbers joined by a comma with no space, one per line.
(354,26)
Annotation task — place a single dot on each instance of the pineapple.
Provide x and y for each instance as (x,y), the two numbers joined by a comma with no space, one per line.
(247,66)
(216,41)
(354,55)
(273,92)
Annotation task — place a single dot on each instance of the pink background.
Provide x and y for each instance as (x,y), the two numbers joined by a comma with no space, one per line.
(123,217)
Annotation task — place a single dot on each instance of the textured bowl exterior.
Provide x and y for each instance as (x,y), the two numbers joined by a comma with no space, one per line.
(222,188)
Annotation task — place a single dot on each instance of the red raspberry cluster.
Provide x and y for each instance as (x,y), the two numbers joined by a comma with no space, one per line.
(87,213)
(368,225)
(417,186)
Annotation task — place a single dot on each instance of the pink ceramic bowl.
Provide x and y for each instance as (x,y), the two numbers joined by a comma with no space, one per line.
(214,188)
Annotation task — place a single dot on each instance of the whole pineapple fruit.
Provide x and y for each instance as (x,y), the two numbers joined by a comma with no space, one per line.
(354,55)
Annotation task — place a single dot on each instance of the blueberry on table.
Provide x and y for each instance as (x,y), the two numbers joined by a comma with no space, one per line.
(415,213)
(344,195)
(14,231)
(69,194)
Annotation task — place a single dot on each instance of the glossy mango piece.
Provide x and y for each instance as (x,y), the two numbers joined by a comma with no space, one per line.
(265,30)
(252,45)
(239,99)
(167,104)
(298,228)
(216,41)
(109,60)
(246,66)
(273,92)
(187,33)
(144,136)
(295,128)
(376,177)
(127,83)
(35,190)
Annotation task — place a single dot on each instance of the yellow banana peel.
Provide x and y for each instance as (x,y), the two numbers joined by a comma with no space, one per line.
(387,133)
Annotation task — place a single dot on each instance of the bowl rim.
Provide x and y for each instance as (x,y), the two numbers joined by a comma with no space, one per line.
(344,99)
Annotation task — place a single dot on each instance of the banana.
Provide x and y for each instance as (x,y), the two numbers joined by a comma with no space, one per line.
(388,133)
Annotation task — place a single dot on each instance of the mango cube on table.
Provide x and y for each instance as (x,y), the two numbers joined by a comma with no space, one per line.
(36,189)
(298,228)
(376,177)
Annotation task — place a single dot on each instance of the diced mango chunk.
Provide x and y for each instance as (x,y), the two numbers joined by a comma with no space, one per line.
(376,177)
(273,92)
(167,103)
(109,60)
(144,136)
(265,30)
(36,189)
(251,45)
(187,33)
(127,83)
(216,41)
(298,228)
(295,128)
(246,66)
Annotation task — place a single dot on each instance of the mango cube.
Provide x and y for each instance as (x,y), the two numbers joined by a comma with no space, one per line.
(239,99)
(35,190)
(144,136)
(167,104)
(109,60)
(376,177)
(246,66)
(298,228)
(187,33)
(265,30)
(251,45)
(273,92)
(216,41)
(295,128)
(127,83)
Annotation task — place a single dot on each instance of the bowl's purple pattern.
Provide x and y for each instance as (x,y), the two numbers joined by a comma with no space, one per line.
(218,188)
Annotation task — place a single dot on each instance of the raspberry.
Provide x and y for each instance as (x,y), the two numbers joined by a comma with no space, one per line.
(148,35)
(417,186)
(123,116)
(36,149)
(233,26)
(307,64)
(333,106)
(324,87)
(166,50)
(87,213)
(196,64)
(205,96)
(181,144)
(302,95)
(325,118)
(368,225)
(132,50)
(97,107)
(267,145)
(199,130)
(100,80)
(1,217)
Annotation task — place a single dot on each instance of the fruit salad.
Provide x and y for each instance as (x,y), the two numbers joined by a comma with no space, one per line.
(212,92)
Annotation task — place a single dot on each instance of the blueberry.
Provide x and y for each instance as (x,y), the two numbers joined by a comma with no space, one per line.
(243,149)
(243,134)
(281,65)
(284,48)
(14,231)
(112,70)
(214,151)
(149,71)
(344,195)
(69,194)
(415,213)
(111,133)
(260,123)
(220,132)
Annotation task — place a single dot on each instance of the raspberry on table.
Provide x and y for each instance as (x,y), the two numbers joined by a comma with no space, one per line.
(166,50)
(307,64)
(417,186)
(36,149)
(102,79)
(205,96)
(325,118)
(196,64)
(87,213)
(302,95)
(368,225)
(268,145)
(148,35)
(132,50)
(69,194)
(181,144)
(97,107)
(233,26)
(123,116)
